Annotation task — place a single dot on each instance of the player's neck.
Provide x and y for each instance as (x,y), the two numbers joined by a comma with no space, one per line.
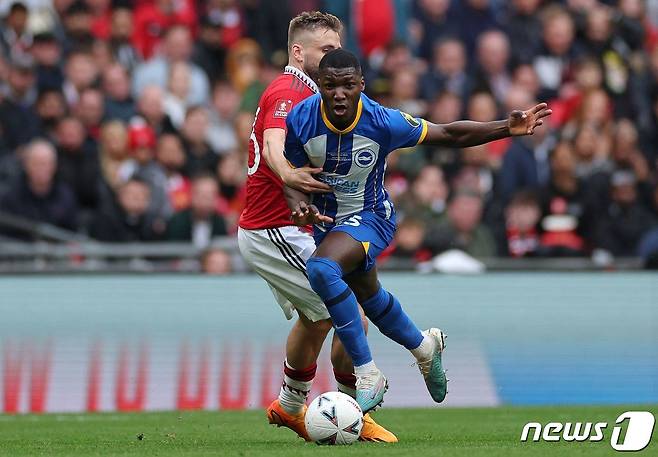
(341,123)
(292,63)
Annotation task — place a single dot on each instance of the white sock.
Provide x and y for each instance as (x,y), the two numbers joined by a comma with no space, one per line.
(426,348)
(365,368)
(293,394)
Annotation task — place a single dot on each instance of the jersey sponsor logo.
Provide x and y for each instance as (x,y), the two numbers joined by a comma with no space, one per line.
(364,158)
(412,121)
(340,184)
(283,107)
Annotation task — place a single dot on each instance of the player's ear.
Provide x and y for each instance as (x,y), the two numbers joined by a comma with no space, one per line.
(363,84)
(297,52)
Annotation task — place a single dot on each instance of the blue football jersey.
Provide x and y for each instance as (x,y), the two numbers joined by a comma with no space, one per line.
(353,160)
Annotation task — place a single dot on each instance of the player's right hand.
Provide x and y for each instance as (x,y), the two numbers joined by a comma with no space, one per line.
(306,214)
(302,179)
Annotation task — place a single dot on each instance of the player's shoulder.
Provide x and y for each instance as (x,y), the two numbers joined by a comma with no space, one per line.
(375,113)
(286,86)
(307,105)
(303,117)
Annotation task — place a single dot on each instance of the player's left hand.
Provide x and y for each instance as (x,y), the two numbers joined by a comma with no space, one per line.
(305,214)
(525,122)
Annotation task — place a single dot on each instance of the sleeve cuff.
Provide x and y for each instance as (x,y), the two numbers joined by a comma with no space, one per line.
(423,134)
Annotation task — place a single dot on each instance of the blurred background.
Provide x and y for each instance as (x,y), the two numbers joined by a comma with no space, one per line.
(127,121)
(124,127)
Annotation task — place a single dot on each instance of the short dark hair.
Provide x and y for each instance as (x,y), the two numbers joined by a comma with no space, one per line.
(340,58)
(17,7)
(311,21)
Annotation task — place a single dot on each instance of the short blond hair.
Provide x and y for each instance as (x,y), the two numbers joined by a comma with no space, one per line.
(311,21)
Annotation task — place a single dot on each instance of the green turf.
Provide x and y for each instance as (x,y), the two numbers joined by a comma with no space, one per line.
(423,432)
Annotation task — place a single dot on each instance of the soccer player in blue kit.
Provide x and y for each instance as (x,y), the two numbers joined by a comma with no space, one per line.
(349,136)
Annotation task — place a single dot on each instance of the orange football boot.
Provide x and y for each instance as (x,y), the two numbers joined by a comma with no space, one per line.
(278,416)
(372,431)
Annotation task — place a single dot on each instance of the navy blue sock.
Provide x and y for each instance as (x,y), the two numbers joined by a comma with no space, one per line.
(385,311)
(326,279)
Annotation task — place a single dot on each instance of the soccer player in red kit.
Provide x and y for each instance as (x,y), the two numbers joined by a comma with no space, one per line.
(274,246)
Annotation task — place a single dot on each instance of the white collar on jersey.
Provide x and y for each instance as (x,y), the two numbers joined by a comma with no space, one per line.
(290,70)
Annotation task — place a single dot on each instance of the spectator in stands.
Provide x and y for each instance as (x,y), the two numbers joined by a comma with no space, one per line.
(482,107)
(448,71)
(77,22)
(15,38)
(446,108)
(201,222)
(493,55)
(153,20)
(47,54)
(404,93)
(430,23)
(171,157)
(520,235)
(121,31)
(591,149)
(78,162)
(471,18)
(142,142)
(150,106)
(565,220)
(626,220)
(20,87)
(80,74)
(125,218)
(553,62)
(177,47)
(524,30)
(461,227)
(101,16)
(525,164)
(408,242)
(476,173)
(525,77)
(50,108)
(216,261)
(594,61)
(225,102)
(613,55)
(426,198)
(90,109)
(175,98)
(118,102)
(114,154)
(209,53)
(18,122)
(199,156)
(40,196)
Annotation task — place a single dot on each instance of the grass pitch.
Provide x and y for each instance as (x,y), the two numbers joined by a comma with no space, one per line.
(427,432)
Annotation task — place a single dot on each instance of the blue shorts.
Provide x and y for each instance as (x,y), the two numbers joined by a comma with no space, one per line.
(374,232)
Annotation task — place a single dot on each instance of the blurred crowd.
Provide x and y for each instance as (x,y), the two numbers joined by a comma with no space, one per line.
(129,120)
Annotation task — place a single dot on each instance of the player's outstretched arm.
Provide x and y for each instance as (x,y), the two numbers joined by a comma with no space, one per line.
(297,178)
(463,134)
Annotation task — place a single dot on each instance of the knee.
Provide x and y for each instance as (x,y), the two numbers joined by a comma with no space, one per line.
(322,273)
(319,328)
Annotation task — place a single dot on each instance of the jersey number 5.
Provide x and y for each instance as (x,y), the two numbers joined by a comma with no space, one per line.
(353,221)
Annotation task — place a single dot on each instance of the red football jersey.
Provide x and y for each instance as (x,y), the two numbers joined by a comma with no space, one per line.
(266,206)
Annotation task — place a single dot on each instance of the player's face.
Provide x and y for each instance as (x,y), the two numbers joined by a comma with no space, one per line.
(341,89)
(316,45)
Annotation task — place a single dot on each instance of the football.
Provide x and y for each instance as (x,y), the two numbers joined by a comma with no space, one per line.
(334,418)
